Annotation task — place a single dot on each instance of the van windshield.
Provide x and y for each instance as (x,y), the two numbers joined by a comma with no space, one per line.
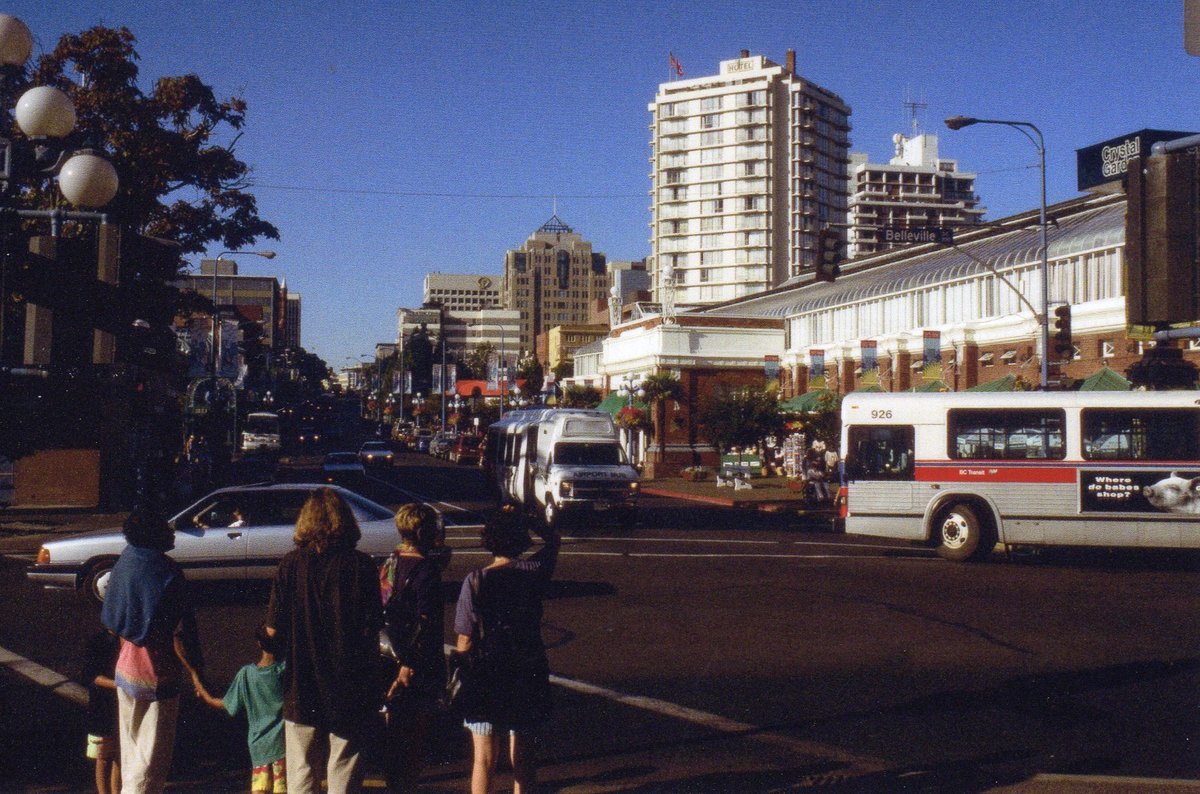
(582,454)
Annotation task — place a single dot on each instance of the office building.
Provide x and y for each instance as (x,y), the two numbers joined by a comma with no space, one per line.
(553,279)
(915,189)
(291,319)
(462,292)
(746,167)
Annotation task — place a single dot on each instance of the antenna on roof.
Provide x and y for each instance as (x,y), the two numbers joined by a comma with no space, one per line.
(913,106)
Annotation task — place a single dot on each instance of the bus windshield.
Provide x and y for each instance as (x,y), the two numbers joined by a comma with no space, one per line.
(584,454)
(262,424)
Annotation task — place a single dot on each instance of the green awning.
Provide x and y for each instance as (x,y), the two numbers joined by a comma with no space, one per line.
(931,386)
(1007,383)
(874,387)
(810,402)
(1105,379)
(615,401)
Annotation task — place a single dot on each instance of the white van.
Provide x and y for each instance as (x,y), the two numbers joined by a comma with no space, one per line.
(562,461)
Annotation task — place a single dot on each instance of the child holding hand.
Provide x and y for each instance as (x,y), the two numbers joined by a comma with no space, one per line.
(257,689)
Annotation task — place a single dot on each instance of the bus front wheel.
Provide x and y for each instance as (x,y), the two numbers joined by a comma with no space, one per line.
(961,536)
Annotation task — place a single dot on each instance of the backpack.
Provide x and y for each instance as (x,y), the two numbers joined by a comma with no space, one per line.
(401,617)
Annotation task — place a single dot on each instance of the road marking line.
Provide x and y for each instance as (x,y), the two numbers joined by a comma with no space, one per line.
(1154,782)
(715,722)
(60,684)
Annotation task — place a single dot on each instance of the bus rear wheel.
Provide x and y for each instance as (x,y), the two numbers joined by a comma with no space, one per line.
(961,536)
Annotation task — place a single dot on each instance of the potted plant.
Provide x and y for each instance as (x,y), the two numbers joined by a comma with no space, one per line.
(694,473)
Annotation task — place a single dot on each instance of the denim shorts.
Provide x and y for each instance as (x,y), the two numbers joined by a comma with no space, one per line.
(484,728)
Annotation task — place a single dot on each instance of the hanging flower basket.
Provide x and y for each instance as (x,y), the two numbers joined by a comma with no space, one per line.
(632,418)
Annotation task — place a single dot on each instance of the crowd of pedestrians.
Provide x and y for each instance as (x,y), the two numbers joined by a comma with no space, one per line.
(315,701)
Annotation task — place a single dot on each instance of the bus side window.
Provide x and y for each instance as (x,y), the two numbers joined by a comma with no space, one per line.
(880,452)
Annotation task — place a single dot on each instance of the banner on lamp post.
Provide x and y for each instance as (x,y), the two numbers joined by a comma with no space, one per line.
(870,358)
(933,347)
(816,363)
(771,368)
(451,377)
(436,386)
(493,372)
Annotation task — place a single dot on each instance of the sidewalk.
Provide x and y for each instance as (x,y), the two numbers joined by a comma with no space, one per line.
(768,495)
(22,529)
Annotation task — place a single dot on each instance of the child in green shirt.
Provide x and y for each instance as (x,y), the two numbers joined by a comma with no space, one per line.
(257,689)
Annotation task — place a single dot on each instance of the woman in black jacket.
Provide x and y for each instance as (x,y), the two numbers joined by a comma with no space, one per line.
(410,584)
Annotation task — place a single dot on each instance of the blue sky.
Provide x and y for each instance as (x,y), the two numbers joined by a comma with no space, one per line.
(392,139)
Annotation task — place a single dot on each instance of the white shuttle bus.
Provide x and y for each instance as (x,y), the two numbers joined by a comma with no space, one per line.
(261,432)
(964,471)
(563,461)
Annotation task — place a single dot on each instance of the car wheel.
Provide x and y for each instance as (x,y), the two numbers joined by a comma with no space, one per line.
(962,536)
(95,584)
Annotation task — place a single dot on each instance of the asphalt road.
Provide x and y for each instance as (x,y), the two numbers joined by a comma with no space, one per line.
(715,650)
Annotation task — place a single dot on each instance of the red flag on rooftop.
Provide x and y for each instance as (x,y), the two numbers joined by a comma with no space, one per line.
(676,65)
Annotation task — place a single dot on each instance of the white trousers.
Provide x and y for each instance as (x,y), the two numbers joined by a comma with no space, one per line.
(309,748)
(147,733)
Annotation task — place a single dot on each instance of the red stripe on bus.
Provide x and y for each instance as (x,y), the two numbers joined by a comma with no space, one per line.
(989,473)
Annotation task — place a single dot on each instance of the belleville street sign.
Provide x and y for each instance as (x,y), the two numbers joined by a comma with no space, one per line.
(918,234)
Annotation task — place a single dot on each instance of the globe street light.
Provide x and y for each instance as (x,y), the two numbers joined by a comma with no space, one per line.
(46,116)
(1023,127)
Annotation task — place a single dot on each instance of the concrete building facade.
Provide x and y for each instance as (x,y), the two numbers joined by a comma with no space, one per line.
(746,167)
(916,188)
(462,292)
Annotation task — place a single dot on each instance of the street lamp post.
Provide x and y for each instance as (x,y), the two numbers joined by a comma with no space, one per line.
(1023,127)
(630,386)
(213,358)
(47,117)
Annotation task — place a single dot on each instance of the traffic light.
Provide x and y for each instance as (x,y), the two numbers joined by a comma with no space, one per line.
(1062,331)
(829,254)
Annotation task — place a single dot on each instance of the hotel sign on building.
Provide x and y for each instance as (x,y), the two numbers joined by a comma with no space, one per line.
(1102,167)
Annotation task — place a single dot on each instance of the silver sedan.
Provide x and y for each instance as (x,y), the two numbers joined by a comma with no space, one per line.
(233,533)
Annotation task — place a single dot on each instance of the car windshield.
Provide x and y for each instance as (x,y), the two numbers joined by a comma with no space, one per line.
(374,446)
(341,457)
(598,454)
(469,441)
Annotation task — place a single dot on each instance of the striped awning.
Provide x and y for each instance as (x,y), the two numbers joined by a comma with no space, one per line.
(1007,383)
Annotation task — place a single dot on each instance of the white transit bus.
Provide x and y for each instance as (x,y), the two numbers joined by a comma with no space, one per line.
(963,471)
(261,432)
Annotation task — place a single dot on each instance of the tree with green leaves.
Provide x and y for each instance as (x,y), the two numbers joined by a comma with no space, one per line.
(580,397)
(740,416)
(174,148)
(532,373)
(476,360)
(659,388)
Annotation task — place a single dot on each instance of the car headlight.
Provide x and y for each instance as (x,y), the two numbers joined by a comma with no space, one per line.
(635,487)
(565,488)
(43,557)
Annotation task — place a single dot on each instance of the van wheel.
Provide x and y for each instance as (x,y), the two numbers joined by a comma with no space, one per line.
(962,536)
(95,584)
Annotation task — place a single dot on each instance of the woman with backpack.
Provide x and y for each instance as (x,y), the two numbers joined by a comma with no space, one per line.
(499,622)
(410,584)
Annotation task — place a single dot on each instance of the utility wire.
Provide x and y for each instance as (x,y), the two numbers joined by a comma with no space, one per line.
(431,194)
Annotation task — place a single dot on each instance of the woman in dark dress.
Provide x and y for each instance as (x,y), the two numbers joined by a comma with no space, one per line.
(410,586)
(500,610)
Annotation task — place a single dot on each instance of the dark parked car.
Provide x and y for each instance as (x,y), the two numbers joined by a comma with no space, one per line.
(467,449)
(343,467)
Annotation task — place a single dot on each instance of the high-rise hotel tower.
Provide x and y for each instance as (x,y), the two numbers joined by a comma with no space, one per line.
(746,168)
